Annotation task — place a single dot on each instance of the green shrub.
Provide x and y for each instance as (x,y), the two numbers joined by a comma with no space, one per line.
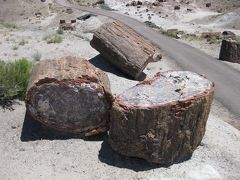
(53,38)
(37,56)
(14,77)
(105,7)
(10,25)
(213,40)
(60,31)
(238,38)
(15,48)
(22,42)
(151,24)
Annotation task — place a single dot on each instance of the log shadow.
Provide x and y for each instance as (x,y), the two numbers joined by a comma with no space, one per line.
(109,156)
(99,62)
(33,130)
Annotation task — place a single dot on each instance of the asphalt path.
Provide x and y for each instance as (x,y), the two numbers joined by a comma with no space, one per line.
(226,78)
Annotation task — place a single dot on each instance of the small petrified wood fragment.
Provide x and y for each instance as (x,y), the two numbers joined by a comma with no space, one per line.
(162,120)
(70,95)
(123,47)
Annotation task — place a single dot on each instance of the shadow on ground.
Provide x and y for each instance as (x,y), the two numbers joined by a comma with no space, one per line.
(112,158)
(99,62)
(33,130)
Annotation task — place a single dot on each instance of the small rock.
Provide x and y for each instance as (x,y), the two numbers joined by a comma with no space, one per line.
(178,36)
(229,35)
(85,17)
(69,11)
(208,4)
(177,7)
(62,21)
(156,3)
(38,14)
(21,149)
(157,56)
(139,3)
(133,3)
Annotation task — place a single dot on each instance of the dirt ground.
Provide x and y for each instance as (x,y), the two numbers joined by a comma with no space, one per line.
(29,150)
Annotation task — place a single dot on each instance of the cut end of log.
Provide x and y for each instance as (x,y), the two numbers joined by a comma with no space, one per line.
(70,95)
(167,87)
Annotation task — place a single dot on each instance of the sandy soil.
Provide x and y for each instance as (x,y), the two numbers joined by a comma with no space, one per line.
(31,151)
(192,17)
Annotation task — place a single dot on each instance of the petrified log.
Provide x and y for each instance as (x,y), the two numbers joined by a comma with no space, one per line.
(230,51)
(70,95)
(162,120)
(123,47)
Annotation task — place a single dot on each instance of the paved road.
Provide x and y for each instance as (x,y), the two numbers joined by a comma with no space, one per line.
(226,78)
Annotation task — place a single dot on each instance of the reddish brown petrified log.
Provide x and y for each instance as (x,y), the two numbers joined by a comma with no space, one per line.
(123,47)
(162,120)
(70,95)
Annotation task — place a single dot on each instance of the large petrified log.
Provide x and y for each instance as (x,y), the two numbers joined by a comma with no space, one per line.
(70,95)
(123,47)
(230,51)
(162,120)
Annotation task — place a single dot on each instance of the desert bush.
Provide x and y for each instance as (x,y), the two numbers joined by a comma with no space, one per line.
(53,38)
(14,77)
(37,56)
(60,31)
(238,38)
(10,25)
(106,7)
(22,42)
(15,48)
(213,40)
(151,24)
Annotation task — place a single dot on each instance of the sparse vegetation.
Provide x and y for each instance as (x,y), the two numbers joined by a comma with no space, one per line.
(22,42)
(238,38)
(14,77)
(151,25)
(54,8)
(37,56)
(53,38)
(106,7)
(10,25)
(60,31)
(15,48)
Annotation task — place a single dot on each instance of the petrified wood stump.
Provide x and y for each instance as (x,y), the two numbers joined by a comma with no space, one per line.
(230,51)
(123,47)
(70,95)
(162,120)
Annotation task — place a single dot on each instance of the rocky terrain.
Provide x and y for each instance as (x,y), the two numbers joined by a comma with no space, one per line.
(187,20)
(29,29)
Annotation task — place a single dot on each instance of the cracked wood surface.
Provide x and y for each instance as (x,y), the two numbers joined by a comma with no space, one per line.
(162,120)
(70,95)
(123,47)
